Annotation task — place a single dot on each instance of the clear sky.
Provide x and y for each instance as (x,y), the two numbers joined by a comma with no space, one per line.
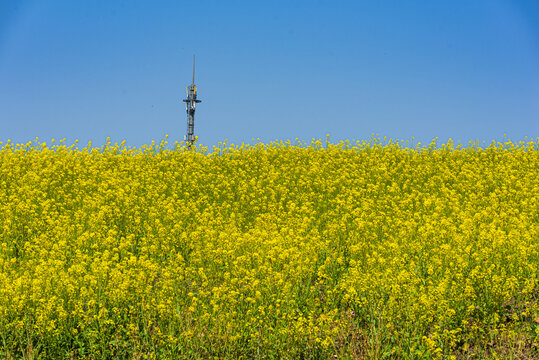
(272,70)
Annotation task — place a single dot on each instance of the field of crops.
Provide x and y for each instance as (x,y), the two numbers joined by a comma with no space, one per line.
(350,250)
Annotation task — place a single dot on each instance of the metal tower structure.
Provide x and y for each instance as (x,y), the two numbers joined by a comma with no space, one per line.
(190,103)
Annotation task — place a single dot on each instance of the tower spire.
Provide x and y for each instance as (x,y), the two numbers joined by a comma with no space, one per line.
(193,70)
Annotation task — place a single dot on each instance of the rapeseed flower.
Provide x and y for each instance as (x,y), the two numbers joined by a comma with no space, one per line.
(362,250)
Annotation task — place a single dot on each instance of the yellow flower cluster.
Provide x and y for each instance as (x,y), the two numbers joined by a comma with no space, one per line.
(356,249)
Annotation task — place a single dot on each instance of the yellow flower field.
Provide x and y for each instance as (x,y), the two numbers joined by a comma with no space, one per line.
(352,250)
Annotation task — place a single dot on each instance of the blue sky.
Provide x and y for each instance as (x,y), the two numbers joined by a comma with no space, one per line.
(467,70)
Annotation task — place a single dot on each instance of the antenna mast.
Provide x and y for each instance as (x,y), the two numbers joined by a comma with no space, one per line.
(190,103)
